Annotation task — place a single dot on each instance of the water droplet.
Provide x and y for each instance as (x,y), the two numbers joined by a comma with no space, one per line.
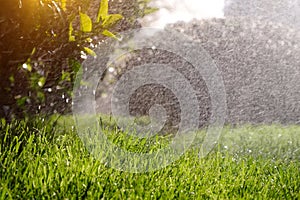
(111,69)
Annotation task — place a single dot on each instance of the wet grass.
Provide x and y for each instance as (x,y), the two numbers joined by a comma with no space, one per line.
(46,160)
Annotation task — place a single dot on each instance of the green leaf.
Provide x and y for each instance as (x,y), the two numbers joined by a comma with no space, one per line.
(111,20)
(85,22)
(33,51)
(3,122)
(150,10)
(89,51)
(12,79)
(64,4)
(42,81)
(21,101)
(103,10)
(27,66)
(41,96)
(109,34)
(34,79)
(71,37)
(65,76)
(89,40)
(75,65)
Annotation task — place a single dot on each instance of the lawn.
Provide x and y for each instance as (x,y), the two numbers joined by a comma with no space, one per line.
(45,159)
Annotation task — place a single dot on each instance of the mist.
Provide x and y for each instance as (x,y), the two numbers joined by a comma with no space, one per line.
(171,11)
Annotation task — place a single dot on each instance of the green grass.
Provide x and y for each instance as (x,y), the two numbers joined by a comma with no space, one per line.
(46,160)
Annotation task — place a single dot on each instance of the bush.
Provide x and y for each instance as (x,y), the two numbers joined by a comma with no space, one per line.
(43,43)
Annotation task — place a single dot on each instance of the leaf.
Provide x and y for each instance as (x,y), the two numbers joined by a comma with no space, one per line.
(89,40)
(150,10)
(64,5)
(89,51)
(21,101)
(41,96)
(71,37)
(33,51)
(65,76)
(12,79)
(75,65)
(109,34)
(42,81)
(3,122)
(103,10)
(85,22)
(111,20)
(27,66)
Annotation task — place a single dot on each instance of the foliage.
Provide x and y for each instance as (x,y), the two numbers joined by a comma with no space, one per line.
(250,163)
(42,45)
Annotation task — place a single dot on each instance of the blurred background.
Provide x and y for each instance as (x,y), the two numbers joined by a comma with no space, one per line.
(44,42)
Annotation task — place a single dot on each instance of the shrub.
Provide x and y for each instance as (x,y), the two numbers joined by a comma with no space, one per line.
(43,43)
